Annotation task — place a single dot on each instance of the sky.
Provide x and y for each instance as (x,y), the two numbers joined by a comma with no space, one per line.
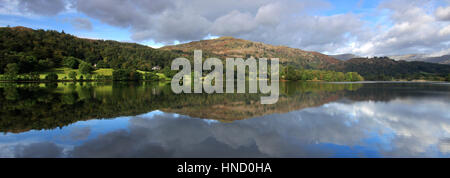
(361,27)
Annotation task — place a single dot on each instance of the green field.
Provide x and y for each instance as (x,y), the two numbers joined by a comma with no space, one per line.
(63,73)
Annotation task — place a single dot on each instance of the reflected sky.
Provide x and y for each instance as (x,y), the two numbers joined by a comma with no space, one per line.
(402,127)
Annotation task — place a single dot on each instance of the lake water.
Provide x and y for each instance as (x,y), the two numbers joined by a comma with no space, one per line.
(148,120)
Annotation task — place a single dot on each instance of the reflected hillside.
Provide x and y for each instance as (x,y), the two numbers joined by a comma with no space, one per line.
(25,107)
(230,107)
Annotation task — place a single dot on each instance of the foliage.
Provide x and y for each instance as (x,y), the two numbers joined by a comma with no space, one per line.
(292,73)
(12,69)
(85,68)
(89,77)
(39,50)
(168,72)
(126,75)
(151,76)
(71,62)
(100,77)
(29,106)
(385,69)
(73,75)
(51,77)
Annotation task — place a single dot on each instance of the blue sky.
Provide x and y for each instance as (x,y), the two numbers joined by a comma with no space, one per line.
(363,27)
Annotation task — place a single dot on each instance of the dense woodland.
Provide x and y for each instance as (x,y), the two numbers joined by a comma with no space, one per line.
(28,50)
(298,74)
(385,69)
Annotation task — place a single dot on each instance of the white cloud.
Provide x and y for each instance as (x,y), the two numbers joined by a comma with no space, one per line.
(234,23)
(443,13)
(413,29)
(400,26)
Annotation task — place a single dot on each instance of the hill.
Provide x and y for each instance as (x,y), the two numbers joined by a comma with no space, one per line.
(444,59)
(39,50)
(26,50)
(344,57)
(370,69)
(387,69)
(232,47)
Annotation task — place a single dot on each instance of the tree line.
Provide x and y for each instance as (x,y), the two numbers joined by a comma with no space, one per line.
(291,72)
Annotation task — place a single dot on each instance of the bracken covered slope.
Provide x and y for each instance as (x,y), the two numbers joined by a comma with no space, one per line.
(232,47)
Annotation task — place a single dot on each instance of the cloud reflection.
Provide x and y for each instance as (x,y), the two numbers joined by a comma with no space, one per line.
(408,127)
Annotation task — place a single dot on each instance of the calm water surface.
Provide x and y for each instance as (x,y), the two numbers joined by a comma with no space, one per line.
(148,120)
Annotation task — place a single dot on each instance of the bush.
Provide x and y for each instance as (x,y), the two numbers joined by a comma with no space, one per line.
(51,77)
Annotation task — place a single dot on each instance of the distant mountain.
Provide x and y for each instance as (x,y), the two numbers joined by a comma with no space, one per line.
(444,59)
(344,57)
(232,47)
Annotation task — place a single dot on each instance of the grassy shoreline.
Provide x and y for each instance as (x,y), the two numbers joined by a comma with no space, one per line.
(63,75)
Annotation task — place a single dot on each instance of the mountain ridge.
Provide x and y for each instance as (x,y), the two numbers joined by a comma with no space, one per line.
(239,48)
(440,59)
(344,57)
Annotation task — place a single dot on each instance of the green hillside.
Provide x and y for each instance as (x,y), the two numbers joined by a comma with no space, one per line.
(39,50)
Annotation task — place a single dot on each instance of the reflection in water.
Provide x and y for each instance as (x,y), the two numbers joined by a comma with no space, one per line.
(326,120)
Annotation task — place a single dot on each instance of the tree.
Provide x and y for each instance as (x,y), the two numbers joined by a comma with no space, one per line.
(126,75)
(45,64)
(71,62)
(102,64)
(169,72)
(151,76)
(348,76)
(51,77)
(85,68)
(340,76)
(356,77)
(89,77)
(12,69)
(73,75)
